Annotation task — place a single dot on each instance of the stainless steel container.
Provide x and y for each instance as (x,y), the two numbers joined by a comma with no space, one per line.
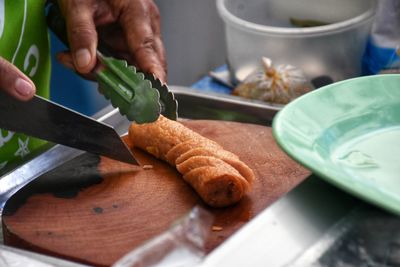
(256,28)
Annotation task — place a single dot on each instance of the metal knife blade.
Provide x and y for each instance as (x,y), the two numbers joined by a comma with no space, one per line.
(49,121)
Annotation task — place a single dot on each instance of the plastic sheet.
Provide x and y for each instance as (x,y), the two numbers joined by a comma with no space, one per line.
(182,245)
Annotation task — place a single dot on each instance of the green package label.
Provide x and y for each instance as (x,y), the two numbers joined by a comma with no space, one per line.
(24,42)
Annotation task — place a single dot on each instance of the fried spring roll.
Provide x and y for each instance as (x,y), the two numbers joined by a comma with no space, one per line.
(218,176)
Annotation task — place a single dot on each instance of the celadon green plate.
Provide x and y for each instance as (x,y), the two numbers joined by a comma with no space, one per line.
(348,133)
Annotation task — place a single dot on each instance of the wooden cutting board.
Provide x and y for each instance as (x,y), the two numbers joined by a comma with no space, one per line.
(94,210)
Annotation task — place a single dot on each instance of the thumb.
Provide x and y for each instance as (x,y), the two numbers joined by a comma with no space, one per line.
(14,82)
(82,35)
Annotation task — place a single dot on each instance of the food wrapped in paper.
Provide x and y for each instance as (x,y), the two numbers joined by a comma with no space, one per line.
(280,84)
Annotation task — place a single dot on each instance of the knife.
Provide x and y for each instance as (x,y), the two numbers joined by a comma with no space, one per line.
(52,122)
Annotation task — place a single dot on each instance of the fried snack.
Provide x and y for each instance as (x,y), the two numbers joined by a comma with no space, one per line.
(218,176)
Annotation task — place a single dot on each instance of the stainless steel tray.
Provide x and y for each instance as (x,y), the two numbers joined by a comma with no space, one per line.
(192,104)
(195,104)
(298,224)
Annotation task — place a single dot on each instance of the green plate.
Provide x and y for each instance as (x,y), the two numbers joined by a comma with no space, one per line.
(349,134)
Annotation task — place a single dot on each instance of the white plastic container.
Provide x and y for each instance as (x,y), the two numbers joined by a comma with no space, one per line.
(257,28)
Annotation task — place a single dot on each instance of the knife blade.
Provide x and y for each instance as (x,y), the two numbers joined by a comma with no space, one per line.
(52,122)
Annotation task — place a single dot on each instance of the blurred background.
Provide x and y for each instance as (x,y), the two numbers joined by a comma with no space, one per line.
(200,38)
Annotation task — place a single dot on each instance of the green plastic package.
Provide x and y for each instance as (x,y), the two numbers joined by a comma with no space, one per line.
(24,42)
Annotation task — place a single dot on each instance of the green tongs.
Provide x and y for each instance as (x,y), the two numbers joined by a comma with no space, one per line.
(141,97)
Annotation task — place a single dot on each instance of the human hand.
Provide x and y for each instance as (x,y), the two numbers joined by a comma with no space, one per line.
(130,28)
(14,82)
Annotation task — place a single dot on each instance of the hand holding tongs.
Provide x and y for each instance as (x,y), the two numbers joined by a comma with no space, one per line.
(140,97)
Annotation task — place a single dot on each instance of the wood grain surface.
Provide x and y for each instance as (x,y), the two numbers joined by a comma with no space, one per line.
(94,210)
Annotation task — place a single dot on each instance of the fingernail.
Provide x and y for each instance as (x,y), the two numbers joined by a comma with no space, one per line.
(82,57)
(23,87)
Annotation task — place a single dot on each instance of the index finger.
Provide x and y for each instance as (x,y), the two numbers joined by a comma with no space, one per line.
(82,34)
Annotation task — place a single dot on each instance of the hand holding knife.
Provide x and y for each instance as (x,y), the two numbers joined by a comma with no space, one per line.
(140,97)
